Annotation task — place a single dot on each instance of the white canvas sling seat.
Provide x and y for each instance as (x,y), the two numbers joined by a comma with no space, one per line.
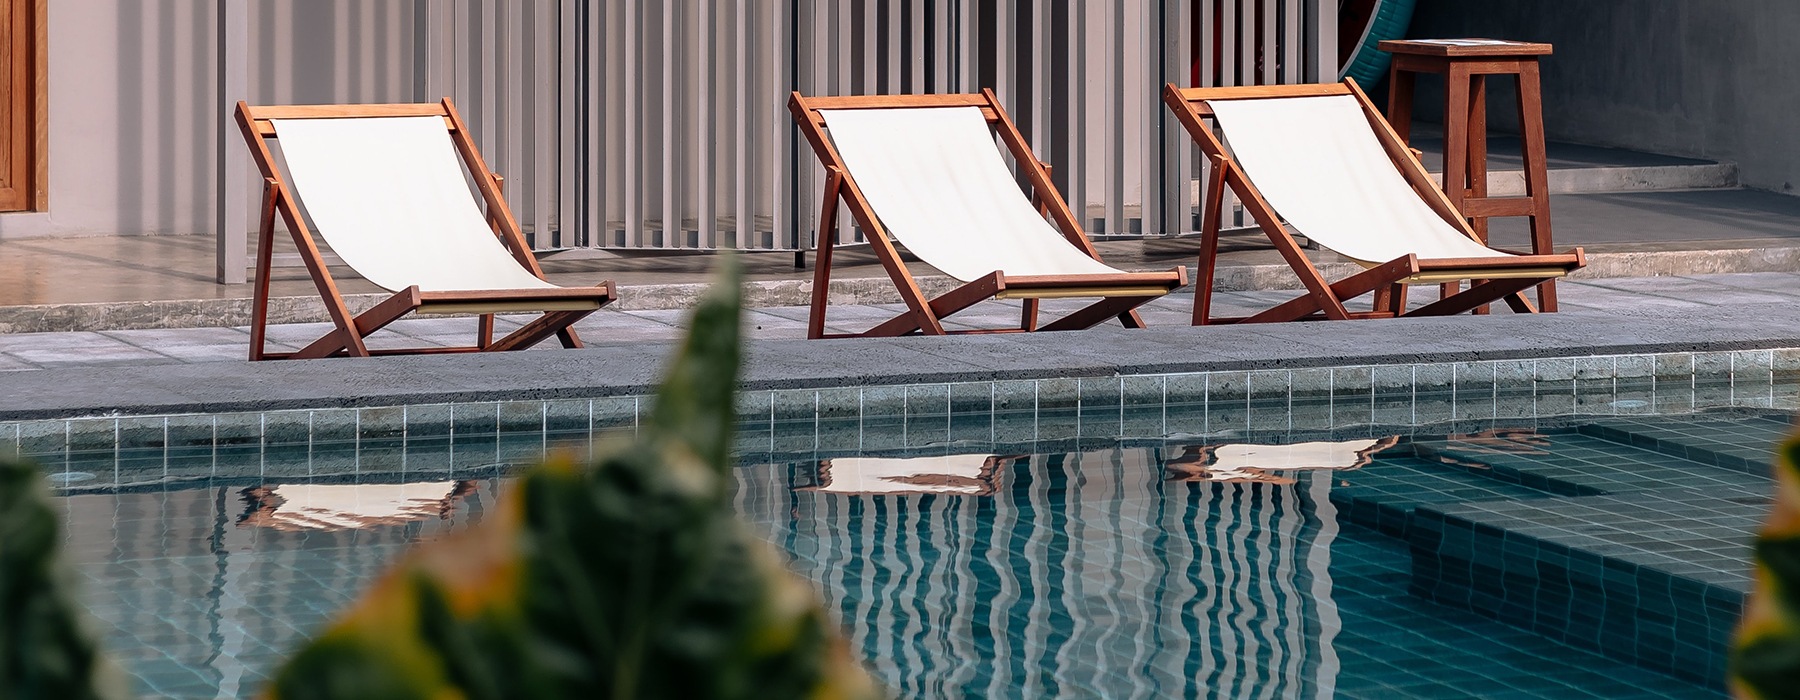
(387,187)
(925,171)
(1322,160)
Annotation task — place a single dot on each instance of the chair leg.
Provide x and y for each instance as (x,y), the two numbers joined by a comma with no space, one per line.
(366,323)
(1097,313)
(1478,295)
(484,331)
(1385,276)
(569,338)
(1028,317)
(540,328)
(951,302)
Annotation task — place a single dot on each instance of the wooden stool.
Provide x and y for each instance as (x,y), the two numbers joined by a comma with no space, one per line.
(1465,65)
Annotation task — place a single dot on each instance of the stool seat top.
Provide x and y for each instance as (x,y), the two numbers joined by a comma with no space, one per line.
(1464,48)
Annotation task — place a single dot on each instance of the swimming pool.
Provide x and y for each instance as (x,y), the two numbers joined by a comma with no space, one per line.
(1465,539)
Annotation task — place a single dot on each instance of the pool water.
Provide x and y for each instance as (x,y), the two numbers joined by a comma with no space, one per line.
(1373,561)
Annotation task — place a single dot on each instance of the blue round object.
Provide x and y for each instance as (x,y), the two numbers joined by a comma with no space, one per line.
(1368,64)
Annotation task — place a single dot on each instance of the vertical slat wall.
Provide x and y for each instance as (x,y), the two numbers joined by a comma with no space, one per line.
(661,124)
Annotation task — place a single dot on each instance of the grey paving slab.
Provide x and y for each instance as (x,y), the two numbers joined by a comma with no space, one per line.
(9,363)
(126,356)
(1685,289)
(1588,296)
(174,337)
(1786,283)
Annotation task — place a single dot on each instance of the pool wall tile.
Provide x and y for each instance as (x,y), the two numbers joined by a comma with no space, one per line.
(1514,373)
(884,401)
(1015,427)
(928,400)
(755,406)
(1591,368)
(840,402)
(522,417)
(1752,365)
(1186,388)
(1271,384)
(1016,395)
(1142,422)
(568,415)
(1351,410)
(1058,393)
(143,432)
(1143,390)
(90,434)
(839,435)
(40,438)
(1712,364)
(1634,366)
(1350,381)
(1101,393)
(792,439)
(1473,376)
(1312,382)
(1552,370)
(1227,387)
(1785,362)
(1434,377)
(796,404)
(883,432)
(429,420)
(1391,380)
(621,413)
(1392,410)
(972,427)
(385,422)
(287,427)
(971,397)
(334,425)
(1312,414)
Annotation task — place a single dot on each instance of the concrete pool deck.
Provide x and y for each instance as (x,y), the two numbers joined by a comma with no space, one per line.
(151,372)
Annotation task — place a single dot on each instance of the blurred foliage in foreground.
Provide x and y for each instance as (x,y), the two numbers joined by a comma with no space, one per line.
(1766,661)
(45,650)
(626,578)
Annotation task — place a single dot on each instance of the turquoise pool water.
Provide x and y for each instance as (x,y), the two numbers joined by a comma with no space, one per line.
(1244,550)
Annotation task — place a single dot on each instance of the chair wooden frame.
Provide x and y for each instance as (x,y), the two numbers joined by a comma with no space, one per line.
(561,307)
(1120,294)
(1495,279)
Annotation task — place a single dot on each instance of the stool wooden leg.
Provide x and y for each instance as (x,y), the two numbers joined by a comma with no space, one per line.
(1400,102)
(1456,151)
(1478,150)
(1537,176)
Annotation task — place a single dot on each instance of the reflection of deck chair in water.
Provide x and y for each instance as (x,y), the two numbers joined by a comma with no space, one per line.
(1322,158)
(335,507)
(956,475)
(925,170)
(1246,463)
(385,186)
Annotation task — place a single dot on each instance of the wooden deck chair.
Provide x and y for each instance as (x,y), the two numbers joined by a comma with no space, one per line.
(385,186)
(925,170)
(1322,158)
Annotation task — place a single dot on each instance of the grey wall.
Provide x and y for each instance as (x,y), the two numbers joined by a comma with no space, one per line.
(1716,79)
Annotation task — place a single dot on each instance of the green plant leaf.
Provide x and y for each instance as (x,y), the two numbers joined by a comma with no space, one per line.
(1765,662)
(45,650)
(625,578)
